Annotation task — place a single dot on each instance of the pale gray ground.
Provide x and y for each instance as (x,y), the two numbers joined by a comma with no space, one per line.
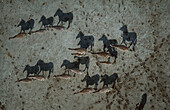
(144,71)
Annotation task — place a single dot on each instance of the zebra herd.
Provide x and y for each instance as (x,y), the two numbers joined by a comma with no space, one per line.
(63,17)
(109,50)
(40,66)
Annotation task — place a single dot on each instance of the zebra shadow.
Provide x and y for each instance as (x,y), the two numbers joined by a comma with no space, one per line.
(70,66)
(64,17)
(142,103)
(128,36)
(85,41)
(91,80)
(29,25)
(45,67)
(49,23)
(25,25)
(32,73)
(108,80)
(74,66)
(84,61)
(46,22)
(106,44)
(31,70)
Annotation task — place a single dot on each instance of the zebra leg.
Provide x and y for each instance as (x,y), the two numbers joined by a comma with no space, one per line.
(109,59)
(130,44)
(68,72)
(123,41)
(87,85)
(43,73)
(45,27)
(91,47)
(106,85)
(133,48)
(134,43)
(27,75)
(69,22)
(51,24)
(103,85)
(65,71)
(61,23)
(104,47)
(24,31)
(21,30)
(41,26)
(39,72)
(115,58)
(58,22)
(96,84)
(85,68)
(30,30)
(113,84)
(49,74)
(68,25)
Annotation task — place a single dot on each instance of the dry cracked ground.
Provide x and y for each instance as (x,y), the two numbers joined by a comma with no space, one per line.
(145,70)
